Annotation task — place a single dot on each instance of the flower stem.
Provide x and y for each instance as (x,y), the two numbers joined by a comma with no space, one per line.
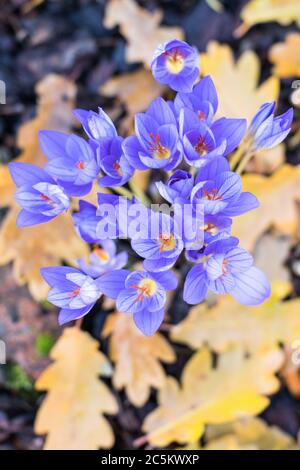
(244,161)
(139,193)
(123,192)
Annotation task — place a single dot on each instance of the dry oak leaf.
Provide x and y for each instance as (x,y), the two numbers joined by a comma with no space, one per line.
(137,358)
(210,395)
(140,28)
(229,324)
(237,82)
(277,195)
(264,11)
(72,412)
(286,56)
(135,90)
(246,434)
(42,245)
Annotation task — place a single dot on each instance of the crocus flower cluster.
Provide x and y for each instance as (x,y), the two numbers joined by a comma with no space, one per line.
(186,139)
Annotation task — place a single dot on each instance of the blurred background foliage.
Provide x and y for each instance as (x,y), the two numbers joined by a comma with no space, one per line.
(217,376)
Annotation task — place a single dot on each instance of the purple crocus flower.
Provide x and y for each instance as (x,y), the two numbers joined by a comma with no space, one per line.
(113,163)
(158,241)
(103,259)
(38,194)
(178,186)
(201,143)
(217,194)
(203,100)
(268,131)
(141,293)
(156,142)
(96,125)
(73,291)
(176,64)
(220,190)
(71,162)
(225,268)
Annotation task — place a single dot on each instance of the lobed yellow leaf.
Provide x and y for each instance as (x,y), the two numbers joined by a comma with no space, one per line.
(72,413)
(286,56)
(277,195)
(141,29)
(246,434)
(229,324)
(240,96)
(210,395)
(137,358)
(42,245)
(264,11)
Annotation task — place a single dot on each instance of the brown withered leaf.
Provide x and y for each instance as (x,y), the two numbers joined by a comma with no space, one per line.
(135,90)
(72,413)
(140,28)
(42,245)
(286,56)
(277,195)
(137,358)
(21,323)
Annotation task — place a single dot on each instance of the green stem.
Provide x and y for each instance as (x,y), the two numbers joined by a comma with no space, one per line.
(244,162)
(139,193)
(123,192)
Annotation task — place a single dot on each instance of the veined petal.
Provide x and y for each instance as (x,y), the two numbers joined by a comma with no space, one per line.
(148,322)
(251,287)
(195,285)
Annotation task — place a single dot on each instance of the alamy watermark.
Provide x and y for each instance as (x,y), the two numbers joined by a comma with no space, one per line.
(296,93)
(2,352)
(2,92)
(135,221)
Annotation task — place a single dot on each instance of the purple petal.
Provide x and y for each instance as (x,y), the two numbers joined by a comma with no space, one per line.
(25,219)
(251,287)
(148,322)
(53,143)
(66,314)
(25,173)
(112,283)
(233,130)
(55,275)
(167,279)
(195,285)
(246,202)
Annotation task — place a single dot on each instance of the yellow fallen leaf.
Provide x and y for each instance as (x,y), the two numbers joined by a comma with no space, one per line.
(137,358)
(286,56)
(277,195)
(246,434)
(42,245)
(141,29)
(237,81)
(136,90)
(264,11)
(229,324)
(211,396)
(72,413)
